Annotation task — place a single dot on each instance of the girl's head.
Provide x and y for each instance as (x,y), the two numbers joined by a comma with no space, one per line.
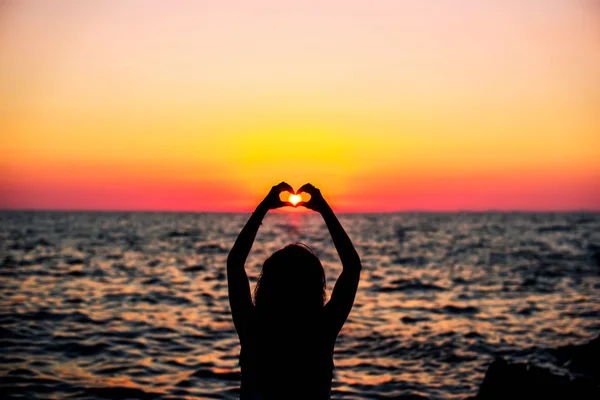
(292,279)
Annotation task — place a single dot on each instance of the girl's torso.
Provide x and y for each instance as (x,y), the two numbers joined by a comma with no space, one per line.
(286,359)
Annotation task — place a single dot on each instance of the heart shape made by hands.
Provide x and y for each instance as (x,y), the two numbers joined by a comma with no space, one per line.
(294,198)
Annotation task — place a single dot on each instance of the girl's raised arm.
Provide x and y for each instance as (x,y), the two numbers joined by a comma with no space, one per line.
(342,298)
(240,298)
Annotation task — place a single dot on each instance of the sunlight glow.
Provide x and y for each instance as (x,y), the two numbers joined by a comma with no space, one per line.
(295,199)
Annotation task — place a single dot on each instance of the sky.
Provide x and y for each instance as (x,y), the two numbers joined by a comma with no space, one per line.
(433,105)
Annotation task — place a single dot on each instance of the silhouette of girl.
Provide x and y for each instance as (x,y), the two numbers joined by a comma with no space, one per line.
(288,333)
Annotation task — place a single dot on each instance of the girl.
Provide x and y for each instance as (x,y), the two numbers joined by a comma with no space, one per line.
(288,333)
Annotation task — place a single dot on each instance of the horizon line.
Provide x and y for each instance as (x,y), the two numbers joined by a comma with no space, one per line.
(406,211)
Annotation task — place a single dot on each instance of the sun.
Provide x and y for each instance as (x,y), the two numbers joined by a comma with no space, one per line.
(294,198)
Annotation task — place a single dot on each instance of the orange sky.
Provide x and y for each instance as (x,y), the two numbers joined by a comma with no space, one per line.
(384,105)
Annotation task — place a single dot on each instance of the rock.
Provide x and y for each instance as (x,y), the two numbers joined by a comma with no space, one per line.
(581,359)
(517,381)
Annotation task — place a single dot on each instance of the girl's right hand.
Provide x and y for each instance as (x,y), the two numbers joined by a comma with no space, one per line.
(272,201)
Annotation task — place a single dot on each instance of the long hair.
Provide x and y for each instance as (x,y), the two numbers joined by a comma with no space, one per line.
(292,281)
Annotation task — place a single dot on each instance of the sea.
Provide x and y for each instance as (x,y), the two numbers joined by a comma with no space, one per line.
(98,305)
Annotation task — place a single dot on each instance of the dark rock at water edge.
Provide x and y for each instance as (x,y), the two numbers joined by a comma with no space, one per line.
(504,380)
(581,359)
